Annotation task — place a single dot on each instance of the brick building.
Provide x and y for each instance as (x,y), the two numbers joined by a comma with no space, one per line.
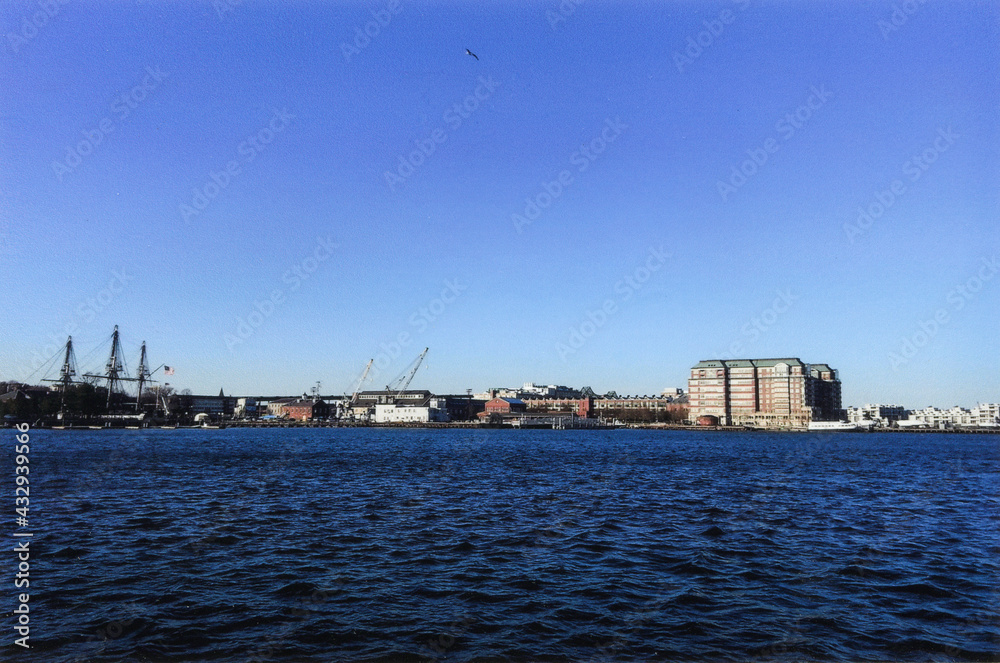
(502,407)
(652,408)
(582,407)
(306,410)
(764,393)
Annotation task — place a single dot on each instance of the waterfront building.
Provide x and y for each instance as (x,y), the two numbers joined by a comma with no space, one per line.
(407,397)
(581,407)
(656,408)
(463,407)
(958,417)
(364,403)
(982,416)
(306,409)
(825,399)
(246,408)
(763,393)
(435,409)
(216,407)
(531,390)
(498,392)
(928,417)
(880,415)
(538,390)
(502,407)
(986,415)
(276,408)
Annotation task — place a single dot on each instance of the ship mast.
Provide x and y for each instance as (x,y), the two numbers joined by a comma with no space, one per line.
(142,375)
(113,369)
(114,366)
(68,368)
(67,372)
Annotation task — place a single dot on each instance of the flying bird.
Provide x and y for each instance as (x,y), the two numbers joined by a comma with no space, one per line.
(472,54)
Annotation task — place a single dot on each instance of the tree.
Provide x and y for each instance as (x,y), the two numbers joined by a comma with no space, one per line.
(84,400)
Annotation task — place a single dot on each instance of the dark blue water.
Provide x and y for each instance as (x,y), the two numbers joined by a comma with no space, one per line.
(365,545)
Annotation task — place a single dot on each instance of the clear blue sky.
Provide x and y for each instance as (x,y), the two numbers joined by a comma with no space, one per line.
(773,265)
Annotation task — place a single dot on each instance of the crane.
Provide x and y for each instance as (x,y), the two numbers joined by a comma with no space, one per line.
(400,384)
(361,382)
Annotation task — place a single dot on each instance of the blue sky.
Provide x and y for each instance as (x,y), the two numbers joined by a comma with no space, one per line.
(620,131)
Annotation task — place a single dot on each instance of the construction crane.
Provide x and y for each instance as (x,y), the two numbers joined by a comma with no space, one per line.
(361,382)
(400,384)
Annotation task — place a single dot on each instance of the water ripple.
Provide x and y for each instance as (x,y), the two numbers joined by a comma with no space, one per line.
(392,545)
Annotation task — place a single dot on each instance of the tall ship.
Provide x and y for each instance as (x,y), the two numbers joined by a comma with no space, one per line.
(114,394)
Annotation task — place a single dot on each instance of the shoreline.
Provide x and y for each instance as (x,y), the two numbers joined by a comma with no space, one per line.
(478,425)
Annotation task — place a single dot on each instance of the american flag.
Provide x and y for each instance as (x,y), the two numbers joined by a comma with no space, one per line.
(168,370)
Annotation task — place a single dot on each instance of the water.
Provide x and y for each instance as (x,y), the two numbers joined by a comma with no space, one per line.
(366,545)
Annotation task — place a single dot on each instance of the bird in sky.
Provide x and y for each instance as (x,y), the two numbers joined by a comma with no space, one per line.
(472,54)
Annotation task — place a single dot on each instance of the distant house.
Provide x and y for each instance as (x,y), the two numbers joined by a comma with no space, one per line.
(16,401)
(306,410)
(217,407)
(276,408)
(503,407)
(15,396)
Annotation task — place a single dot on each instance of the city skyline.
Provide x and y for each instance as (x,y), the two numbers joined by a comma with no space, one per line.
(365,384)
(271,195)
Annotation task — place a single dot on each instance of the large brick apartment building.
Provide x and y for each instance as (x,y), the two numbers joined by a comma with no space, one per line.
(763,393)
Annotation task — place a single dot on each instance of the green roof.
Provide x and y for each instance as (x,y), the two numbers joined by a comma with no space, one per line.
(744,363)
(791,361)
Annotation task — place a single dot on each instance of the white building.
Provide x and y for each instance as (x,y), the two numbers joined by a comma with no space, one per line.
(528,390)
(987,415)
(246,408)
(881,415)
(497,392)
(929,417)
(958,417)
(435,410)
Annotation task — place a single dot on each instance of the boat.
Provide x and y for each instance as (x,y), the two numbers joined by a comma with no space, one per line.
(117,412)
(833,426)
